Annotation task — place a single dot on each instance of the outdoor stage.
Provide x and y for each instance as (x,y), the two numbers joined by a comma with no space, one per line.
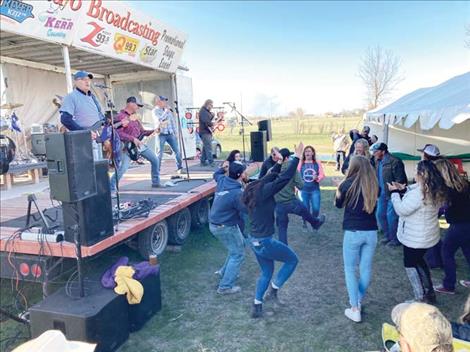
(134,186)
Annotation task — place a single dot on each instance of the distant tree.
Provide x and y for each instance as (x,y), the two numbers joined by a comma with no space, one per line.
(380,71)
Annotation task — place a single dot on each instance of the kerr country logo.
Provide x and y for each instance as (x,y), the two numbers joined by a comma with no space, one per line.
(97,36)
(17,10)
(125,44)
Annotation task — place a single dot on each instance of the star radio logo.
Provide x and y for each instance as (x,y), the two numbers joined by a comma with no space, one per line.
(97,37)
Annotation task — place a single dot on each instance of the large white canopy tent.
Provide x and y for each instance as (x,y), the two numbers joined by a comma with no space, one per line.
(439,115)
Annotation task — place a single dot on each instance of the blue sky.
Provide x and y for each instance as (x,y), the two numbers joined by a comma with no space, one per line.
(272,57)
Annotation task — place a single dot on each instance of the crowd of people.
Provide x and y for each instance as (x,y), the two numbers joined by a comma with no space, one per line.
(375,195)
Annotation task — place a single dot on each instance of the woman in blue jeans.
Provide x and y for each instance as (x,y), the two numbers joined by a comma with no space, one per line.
(258,197)
(312,173)
(358,195)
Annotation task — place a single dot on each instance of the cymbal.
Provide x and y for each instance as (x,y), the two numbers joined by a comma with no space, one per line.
(9,106)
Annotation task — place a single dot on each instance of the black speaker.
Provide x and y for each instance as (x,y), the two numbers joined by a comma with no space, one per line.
(94,214)
(38,144)
(150,304)
(101,317)
(265,125)
(70,164)
(259,146)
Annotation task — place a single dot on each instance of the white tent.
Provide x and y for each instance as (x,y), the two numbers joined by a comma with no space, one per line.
(438,115)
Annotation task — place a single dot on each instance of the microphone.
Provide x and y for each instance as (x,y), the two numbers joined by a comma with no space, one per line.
(102,86)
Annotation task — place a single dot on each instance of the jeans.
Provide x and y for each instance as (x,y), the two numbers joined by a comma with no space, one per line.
(267,250)
(232,238)
(339,155)
(358,251)
(173,143)
(206,153)
(387,218)
(148,154)
(311,200)
(458,236)
(283,210)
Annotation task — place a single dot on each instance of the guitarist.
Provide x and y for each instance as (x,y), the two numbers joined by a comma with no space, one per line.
(205,131)
(133,132)
(81,110)
(166,126)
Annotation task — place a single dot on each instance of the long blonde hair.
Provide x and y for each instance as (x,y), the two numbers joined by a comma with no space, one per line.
(451,175)
(364,183)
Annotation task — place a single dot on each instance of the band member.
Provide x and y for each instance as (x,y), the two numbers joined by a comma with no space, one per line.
(205,131)
(81,110)
(166,126)
(133,133)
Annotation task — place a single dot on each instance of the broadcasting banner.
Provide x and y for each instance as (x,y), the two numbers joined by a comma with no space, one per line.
(108,28)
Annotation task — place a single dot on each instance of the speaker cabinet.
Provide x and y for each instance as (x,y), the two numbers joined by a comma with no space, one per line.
(94,215)
(265,125)
(70,165)
(100,317)
(259,145)
(150,304)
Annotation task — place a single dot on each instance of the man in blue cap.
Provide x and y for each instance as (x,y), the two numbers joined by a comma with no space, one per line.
(167,129)
(80,109)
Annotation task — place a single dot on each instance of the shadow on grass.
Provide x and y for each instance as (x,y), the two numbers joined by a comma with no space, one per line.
(195,318)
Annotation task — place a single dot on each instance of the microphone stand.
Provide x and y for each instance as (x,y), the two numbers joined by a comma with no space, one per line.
(111,106)
(180,130)
(242,120)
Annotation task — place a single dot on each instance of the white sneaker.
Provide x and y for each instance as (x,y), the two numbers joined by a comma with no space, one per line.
(465,283)
(353,315)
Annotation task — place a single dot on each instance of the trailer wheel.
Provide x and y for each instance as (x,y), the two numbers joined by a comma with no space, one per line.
(179,226)
(153,240)
(200,213)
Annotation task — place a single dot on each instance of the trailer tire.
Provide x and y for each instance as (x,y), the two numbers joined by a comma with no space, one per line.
(200,213)
(153,240)
(179,226)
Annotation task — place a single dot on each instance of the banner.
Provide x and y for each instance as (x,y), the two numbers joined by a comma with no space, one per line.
(108,28)
(42,20)
(114,29)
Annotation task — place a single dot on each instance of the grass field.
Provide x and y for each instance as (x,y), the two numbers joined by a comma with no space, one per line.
(287,132)
(195,318)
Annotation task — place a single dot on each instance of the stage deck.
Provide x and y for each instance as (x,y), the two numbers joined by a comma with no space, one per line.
(134,186)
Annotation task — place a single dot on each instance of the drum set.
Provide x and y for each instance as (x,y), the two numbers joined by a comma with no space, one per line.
(11,136)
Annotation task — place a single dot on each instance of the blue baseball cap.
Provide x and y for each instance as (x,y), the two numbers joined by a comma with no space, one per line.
(82,74)
(135,101)
(163,98)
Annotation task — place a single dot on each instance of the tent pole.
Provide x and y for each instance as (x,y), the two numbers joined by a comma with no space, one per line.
(385,131)
(68,70)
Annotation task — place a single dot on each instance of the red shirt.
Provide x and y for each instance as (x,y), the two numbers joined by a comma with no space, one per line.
(133,130)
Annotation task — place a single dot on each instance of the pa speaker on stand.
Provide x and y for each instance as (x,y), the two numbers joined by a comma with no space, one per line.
(265,125)
(259,145)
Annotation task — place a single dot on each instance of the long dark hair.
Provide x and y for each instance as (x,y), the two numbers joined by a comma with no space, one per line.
(250,195)
(433,184)
(231,156)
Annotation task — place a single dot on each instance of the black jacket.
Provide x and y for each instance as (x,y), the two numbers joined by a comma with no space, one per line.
(262,216)
(205,121)
(355,219)
(459,207)
(267,164)
(393,170)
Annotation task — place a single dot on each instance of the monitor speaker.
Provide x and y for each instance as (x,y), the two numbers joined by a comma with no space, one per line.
(265,125)
(93,215)
(38,144)
(259,145)
(101,317)
(70,165)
